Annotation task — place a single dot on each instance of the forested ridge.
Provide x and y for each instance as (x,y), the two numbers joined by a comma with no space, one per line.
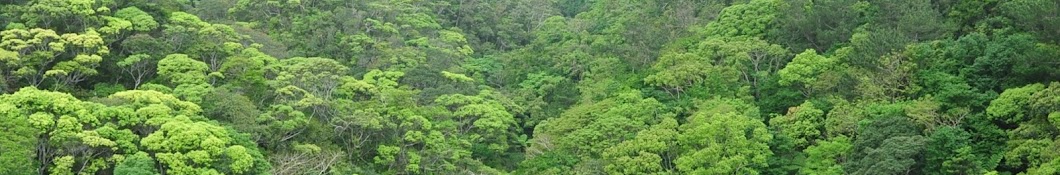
(299,87)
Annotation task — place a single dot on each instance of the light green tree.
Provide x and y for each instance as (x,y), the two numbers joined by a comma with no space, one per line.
(804,70)
(751,19)
(76,137)
(63,15)
(803,124)
(187,76)
(825,156)
(651,152)
(722,144)
(141,21)
(481,119)
(37,55)
(587,130)
(724,138)
(1033,108)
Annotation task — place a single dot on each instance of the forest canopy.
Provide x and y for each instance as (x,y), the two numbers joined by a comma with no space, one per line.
(300,87)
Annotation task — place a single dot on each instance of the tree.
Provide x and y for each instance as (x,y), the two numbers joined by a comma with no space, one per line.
(62,15)
(139,163)
(889,80)
(752,19)
(802,124)
(844,119)
(17,142)
(318,76)
(907,18)
(246,72)
(826,157)
(36,55)
(888,145)
(185,147)
(483,121)
(949,152)
(187,76)
(141,21)
(718,66)
(542,95)
(987,61)
(679,72)
(723,143)
(180,69)
(1035,16)
(804,71)
(138,67)
(55,120)
(235,110)
(87,137)
(896,155)
(184,142)
(1032,110)
(498,26)
(204,41)
(587,130)
(652,151)
(818,25)
(724,53)
(307,83)
(928,113)
(529,87)
(1010,105)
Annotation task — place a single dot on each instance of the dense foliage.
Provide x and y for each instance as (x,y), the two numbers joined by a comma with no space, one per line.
(529,87)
